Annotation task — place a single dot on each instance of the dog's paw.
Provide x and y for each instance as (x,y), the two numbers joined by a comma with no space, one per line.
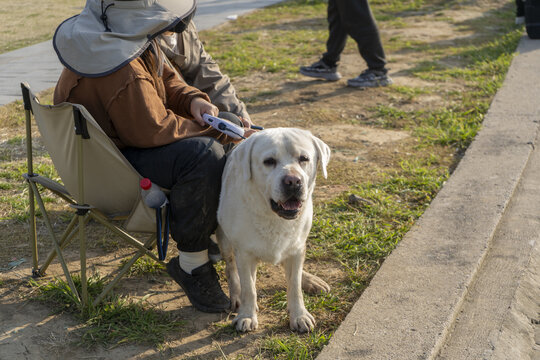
(245,323)
(302,323)
(312,284)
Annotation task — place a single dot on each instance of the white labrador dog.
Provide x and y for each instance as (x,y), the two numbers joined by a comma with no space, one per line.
(265,214)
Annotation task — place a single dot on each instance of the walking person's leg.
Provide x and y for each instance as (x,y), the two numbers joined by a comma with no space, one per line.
(337,35)
(358,21)
(354,18)
(326,67)
(520,12)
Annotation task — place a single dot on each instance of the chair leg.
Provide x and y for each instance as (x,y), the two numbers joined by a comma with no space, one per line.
(83,217)
(133,241)
(150,242)
(31,201)
(33,233)
(66,239)
(82,251)
(55,241)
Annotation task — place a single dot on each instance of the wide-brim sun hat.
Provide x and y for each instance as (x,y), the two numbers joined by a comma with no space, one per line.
(107,35)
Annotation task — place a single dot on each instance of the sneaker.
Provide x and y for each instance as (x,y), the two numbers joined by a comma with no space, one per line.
(370,78)
(201,287)
(321,71)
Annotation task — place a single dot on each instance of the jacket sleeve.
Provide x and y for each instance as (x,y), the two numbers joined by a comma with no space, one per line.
(179,94)
(142,120)
(202,72)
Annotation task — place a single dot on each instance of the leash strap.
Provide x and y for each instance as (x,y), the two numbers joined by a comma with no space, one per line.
(162,244)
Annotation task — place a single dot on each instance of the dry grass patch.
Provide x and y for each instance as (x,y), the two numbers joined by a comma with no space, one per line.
(27,22)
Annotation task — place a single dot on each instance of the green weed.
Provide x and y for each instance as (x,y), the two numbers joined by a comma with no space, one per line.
(115,320)
(296,347)
(144,266)
(409,92)
(15,170)
(124,320)
(6,186)
(321,302)
(14,190)
(12,114)
(368,230)
(16,140)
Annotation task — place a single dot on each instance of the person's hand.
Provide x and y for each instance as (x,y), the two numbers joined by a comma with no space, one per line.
(246,121)
(248,132)
(200,106)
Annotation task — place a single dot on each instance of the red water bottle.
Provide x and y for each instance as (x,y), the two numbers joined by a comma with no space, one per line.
(152,195)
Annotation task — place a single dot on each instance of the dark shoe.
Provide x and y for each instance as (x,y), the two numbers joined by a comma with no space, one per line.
(201,287)
(370,78)
(213,252)
(321,71)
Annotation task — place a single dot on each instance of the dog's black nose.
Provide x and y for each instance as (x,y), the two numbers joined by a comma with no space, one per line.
(291,184)
(291,180)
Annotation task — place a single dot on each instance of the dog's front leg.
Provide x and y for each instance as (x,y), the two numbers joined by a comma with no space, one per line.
(299,318)
(246,320)
(231,271)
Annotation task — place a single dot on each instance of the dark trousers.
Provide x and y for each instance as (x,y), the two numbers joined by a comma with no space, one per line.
(191,168)
(520,8)
(353,18)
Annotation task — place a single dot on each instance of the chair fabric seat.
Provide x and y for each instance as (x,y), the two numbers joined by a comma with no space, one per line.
(111,184)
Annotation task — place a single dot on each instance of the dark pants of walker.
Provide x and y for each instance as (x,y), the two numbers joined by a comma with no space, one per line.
(520,8)
(191,168)
(354,18)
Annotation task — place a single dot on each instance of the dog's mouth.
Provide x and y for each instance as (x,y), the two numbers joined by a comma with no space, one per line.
(287,209)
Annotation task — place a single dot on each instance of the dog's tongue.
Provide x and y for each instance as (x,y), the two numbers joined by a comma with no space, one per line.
(292,204)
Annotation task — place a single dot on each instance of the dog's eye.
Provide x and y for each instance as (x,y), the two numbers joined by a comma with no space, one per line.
(270,162)
(303,158)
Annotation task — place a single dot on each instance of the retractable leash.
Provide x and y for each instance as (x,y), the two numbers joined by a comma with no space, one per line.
(156,199)
(227,127)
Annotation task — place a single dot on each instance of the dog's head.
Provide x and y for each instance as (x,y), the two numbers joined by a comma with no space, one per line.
(282,165)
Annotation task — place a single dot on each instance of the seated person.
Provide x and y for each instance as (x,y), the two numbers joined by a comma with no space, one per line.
(114,67)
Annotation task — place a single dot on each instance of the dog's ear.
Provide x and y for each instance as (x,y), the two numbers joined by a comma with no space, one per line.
(241,155)
(323,154)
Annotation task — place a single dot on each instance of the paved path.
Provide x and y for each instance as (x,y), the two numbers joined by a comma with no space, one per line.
(464,283)
(39,65)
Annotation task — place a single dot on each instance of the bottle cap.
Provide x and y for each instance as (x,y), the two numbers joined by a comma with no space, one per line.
(145,183)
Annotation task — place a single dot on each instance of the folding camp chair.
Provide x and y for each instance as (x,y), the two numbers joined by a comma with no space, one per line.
(98,183)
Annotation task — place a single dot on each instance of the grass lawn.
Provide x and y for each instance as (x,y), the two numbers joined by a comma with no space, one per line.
(28,22)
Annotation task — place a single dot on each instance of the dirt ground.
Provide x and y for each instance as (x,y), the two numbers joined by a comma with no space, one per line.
(28,330)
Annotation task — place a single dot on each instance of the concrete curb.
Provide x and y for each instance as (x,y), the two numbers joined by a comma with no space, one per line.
(414,299)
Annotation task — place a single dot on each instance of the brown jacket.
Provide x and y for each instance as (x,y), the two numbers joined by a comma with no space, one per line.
(127,107)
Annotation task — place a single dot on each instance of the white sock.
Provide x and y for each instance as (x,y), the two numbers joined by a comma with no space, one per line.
(192,260)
